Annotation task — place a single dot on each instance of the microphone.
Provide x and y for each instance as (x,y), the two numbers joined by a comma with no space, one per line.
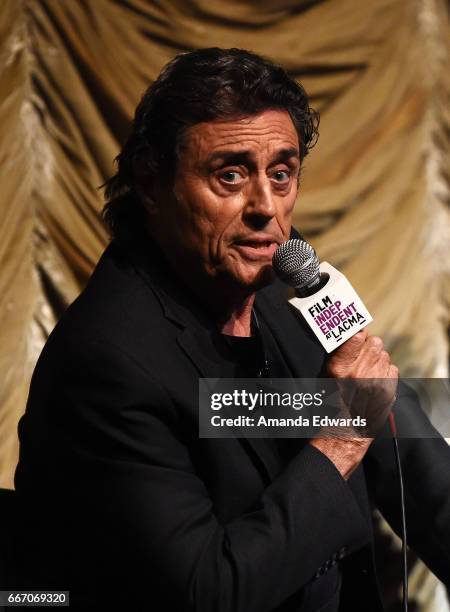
(323,295)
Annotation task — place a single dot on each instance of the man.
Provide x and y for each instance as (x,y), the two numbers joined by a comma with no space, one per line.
(130,507)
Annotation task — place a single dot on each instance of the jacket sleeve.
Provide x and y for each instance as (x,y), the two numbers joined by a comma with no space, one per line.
(108,441)
(425,460)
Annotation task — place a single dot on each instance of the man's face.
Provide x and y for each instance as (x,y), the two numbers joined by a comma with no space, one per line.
(232,201)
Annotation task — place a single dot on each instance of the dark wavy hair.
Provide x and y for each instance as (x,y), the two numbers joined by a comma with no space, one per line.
(202,85)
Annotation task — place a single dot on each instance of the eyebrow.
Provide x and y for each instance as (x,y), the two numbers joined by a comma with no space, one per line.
(238,157)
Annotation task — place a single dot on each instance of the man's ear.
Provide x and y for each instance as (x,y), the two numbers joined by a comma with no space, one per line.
(146,190)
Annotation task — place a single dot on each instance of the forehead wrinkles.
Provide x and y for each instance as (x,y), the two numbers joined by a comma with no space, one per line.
(208,137)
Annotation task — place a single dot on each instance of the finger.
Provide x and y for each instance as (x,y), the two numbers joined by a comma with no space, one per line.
(373,344)
(371,350)
(351,349)
(368,363)
(385,363)
(381,367)
(393,371)
(392,377)
(384,356)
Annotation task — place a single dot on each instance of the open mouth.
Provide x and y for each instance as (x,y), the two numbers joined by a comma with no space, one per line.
(257,244)
(256,249)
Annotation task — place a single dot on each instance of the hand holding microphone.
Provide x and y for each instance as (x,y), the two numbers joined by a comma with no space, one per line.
(363,357)
(338,317)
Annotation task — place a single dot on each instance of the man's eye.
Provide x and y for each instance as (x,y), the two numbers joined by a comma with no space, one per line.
(231,177)
(281,176)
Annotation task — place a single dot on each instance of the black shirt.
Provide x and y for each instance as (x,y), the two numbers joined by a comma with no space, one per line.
(259,355)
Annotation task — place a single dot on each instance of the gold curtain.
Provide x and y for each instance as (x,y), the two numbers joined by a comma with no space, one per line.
(374,190)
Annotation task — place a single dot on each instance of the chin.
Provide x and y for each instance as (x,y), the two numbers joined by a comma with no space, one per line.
(253,282)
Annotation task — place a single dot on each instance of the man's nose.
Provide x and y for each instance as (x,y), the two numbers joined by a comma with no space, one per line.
(260,206)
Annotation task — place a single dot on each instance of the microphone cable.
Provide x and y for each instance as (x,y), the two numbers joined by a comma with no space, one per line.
(403,513)
(296,264)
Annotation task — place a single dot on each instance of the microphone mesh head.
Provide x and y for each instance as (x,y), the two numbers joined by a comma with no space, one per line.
(296,263)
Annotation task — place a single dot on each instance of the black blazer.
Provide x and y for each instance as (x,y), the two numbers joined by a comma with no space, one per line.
(121,502)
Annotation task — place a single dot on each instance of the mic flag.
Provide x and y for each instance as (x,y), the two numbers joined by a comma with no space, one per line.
(324,296)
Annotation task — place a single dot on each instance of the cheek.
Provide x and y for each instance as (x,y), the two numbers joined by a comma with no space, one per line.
(195,211)
(206,219)
(285,214)
(220,213)
(286,207)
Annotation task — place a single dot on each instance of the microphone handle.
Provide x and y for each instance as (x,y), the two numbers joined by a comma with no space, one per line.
(311,288)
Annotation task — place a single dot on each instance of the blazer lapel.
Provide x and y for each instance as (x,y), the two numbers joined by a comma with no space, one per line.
(299,347)
(196,348)
(196,340)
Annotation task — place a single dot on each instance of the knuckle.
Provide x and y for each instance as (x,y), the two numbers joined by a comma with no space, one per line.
(394,370)
(331,365)
(335,371)
(354,341)
(375,343)
(384,355)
